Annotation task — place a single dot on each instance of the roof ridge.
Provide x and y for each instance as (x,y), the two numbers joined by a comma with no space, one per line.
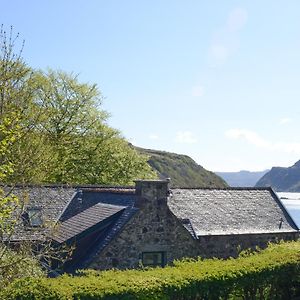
(237,188)
(65,185)
(115,190)
(97,187)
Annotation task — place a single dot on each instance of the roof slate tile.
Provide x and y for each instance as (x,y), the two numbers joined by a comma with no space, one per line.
(228,211)
(88,218)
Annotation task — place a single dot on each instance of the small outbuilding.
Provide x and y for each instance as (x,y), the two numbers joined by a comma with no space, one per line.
(151,224)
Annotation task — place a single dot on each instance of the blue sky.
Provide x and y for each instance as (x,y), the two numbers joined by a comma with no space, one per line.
(216,80)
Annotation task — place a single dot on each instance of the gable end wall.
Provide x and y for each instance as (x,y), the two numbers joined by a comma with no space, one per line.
(153,228)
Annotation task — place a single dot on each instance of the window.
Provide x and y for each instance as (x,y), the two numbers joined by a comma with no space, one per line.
(33,217)
(153,259)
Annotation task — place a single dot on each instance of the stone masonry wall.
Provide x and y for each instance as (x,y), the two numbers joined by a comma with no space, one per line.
(155,228)
(224,246)
(152,228)
(159,230)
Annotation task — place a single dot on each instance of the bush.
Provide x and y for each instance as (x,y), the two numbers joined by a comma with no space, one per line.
(273,273)
(15,264)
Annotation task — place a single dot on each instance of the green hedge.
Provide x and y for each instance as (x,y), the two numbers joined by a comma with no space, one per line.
(273,273)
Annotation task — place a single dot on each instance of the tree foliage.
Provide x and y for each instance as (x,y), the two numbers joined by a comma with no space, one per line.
(84,149)
(18,86)
(14,76)
(16,262)
(52,130)
(64,135)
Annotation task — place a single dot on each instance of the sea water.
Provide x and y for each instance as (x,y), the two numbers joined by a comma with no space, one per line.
(292,203)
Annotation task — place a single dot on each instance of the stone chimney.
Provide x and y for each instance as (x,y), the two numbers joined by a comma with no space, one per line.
(153,190)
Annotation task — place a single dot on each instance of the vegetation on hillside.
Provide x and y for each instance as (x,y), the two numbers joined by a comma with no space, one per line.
(273,273)
(183,171)
(282,179)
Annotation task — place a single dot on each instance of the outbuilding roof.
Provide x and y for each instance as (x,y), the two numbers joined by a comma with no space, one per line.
(86,220)
(204,211)
(50,200)
(231,210)
(58,203)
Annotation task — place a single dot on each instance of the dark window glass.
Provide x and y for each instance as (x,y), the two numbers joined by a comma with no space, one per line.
(153,259)
(34,217)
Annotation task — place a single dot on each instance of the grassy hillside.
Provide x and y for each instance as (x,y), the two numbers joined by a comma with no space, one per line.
(183,171)
(282,179)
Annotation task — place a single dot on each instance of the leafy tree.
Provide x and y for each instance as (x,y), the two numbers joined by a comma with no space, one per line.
(19,121)
(84,149)
(51,130)
(18,87)
(64,136)
(19,262)
(14,105)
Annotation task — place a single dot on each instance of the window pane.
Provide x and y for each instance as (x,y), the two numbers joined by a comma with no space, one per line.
(152,258)
(35,217)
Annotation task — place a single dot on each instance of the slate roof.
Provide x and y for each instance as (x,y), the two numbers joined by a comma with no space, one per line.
(122,197)
(87,219)
(60,203)
(87,197)
(231,210)
(189,227)
(202,211)
(50,199)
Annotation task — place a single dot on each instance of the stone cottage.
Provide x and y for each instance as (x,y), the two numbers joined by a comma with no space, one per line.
(149,224)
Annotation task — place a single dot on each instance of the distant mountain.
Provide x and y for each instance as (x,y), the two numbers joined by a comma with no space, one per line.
(183,171)
(282,179)
(242,178)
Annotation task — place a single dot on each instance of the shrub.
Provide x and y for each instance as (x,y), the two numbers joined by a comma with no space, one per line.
(272,273)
